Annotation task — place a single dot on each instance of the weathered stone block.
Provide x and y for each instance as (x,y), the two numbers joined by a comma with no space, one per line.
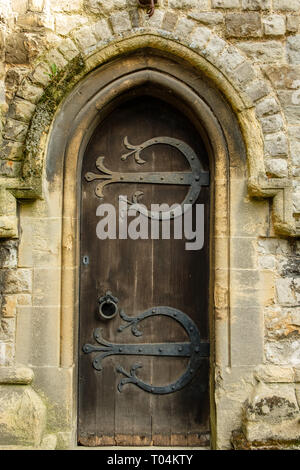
(293,49)
(43,278)
(16,280)
(274,374)
(272,413)
(59,397)
(16,51)
(67,5)
(18,6)
(189,4)
(8,226)
(256,4)
(277,167)
(267,262)
(41,74)
(225,3)
(9,306)
(155,21)
(284,291)
(214,48)
(243,25)
(296,202)
(14,130)
(102,30)
(120,22)
(10,168)
(44,251)
(243,74)
(230,59)
(297,375)
(8,254)
(7,329)
(22,415)
(274,25)
(184,27)
(68,49)
(169,21)
(36,5)
(271,124)
(54,57)
(276,144)
(208,17)
(296,318)
(21,110)
(100,6)
(290,102)
(7,351)
(16,375)
(257,90)
(265,52)
(286,5)
(85,37)
(34,326)
(64,24)
(49,442)
(12,150)
(245,324)
(292,23)
(266,107)
(30,92)
(200,37)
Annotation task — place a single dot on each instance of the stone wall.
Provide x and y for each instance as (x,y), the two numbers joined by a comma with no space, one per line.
(251,48)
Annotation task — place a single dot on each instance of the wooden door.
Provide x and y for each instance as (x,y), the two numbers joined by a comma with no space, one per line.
(145,275)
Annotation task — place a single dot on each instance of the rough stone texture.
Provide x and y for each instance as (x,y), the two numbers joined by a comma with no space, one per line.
(274,374)
(272,413)
(209,18)
(293,49)
(225,3)
(274,25)
(189,4)
(266,107)
(22,415)
(276,144)
(277,167)
(286,5)
(265,52)
(292,23)
(16,281)
(256,4)
(120,22)
(243,25)
(16,375)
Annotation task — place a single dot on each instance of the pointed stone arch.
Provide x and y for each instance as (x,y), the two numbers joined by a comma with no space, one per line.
(241,83)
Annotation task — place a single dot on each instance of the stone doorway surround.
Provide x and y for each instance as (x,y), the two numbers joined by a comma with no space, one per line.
(46,338)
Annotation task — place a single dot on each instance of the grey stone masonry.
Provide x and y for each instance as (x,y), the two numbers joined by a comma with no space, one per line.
(243,25)
(293,49)
(274,25)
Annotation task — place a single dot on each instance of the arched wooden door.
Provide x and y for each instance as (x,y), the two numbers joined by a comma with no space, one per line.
(143,381)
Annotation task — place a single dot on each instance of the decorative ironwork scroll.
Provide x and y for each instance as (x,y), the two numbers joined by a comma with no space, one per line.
(195,179)
(195,350)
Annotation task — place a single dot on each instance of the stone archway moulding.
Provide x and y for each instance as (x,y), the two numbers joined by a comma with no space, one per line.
(69,136)
(208,54)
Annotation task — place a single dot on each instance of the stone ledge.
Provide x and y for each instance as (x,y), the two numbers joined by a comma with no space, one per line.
(16,375)
(239,442)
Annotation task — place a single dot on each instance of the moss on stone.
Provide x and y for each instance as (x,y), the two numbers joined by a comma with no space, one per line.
(62,82)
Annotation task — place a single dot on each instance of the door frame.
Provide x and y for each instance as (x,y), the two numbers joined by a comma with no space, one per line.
(83,109)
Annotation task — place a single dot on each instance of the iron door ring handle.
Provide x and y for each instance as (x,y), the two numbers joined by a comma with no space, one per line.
(108,307)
